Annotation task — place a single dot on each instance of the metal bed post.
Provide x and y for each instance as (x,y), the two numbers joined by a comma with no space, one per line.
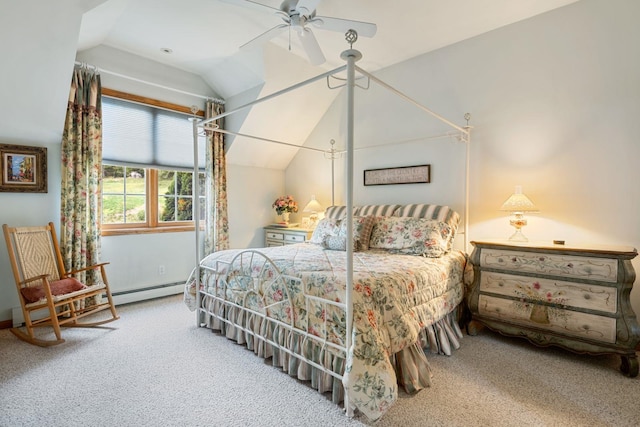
(196,214)
(351,56)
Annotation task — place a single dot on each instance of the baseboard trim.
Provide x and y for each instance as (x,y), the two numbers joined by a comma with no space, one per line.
(6,324)
(135,295)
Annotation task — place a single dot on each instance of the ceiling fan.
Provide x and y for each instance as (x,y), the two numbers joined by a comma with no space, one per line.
(297,14)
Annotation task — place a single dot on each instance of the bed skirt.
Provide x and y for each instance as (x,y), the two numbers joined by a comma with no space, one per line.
(312,361)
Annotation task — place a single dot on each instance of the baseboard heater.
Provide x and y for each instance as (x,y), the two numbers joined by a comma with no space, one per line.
(119,298)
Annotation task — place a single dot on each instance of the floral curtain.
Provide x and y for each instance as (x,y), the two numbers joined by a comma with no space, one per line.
(216,233)
(81,174)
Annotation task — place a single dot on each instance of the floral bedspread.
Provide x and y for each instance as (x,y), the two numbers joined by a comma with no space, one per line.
(394,298)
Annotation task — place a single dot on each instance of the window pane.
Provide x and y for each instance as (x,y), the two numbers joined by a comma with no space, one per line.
(184,184)
(166,183)
(135,181)
(166,208)
(112,209)
(136,209)
(185,207)
(113,179)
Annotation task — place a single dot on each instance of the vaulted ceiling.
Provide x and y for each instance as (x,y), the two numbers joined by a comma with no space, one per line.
(204,37)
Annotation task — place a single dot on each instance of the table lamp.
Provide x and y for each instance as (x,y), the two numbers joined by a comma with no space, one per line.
(313,207)
(517,204)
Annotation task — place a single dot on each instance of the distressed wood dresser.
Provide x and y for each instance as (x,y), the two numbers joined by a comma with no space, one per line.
(574,297)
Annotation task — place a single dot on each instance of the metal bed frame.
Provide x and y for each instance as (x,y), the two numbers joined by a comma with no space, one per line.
(350,56)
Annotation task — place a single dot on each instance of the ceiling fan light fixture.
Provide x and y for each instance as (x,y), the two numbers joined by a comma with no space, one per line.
(299,13)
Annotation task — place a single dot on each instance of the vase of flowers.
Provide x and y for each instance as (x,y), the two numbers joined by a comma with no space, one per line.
(284,205)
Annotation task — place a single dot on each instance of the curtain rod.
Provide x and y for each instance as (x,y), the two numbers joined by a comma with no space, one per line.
(113,73)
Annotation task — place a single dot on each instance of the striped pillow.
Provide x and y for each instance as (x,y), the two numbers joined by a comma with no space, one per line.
(376,210)
(336,212)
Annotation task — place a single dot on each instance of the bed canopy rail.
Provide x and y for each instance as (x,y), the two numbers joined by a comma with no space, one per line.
(350,56)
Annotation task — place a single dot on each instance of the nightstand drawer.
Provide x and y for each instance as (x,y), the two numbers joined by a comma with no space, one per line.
(563,322)
(279,236)
(275,236)
(569,294)
(294,238)
(579,267)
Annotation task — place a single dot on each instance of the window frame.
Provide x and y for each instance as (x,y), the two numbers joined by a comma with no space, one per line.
(152,223)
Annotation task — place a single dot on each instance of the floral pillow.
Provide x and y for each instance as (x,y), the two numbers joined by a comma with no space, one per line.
(429,211)
(411,236)
(326,227)
(362,226)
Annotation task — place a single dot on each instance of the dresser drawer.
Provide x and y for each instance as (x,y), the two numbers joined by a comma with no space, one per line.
(294,238)
(563,322)
(568,294)
(275,236)
(579,267)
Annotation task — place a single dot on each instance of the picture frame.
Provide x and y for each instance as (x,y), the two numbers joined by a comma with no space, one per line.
(23,169)
(419,174)
(306,223)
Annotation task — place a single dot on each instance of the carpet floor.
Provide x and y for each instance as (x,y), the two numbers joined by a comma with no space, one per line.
(154,367)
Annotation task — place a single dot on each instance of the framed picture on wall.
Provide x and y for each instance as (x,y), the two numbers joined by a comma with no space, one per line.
(23,169)
(400,175)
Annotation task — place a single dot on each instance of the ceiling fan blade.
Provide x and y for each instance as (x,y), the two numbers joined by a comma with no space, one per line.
(307,7)
(365,29)
(264,37)
(311,47)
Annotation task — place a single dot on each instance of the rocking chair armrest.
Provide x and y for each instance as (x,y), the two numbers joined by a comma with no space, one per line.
(91,267)
(42,277)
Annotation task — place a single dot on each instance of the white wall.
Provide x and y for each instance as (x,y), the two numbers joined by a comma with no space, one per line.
(555,105)
(38,40)
(135,259)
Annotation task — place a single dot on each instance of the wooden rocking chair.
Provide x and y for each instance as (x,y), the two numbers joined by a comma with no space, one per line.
(44,286)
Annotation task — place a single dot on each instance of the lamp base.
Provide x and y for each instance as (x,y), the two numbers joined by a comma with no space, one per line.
(518,222)
(518,237)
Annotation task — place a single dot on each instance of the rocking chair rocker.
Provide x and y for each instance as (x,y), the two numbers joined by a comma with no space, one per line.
(45,286)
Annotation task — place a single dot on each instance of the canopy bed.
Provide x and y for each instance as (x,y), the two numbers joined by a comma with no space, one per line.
(352,310)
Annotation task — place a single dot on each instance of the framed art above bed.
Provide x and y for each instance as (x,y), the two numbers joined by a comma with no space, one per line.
(420,174)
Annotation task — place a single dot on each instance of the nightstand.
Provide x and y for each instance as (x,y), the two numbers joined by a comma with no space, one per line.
(570,296)
(280,236)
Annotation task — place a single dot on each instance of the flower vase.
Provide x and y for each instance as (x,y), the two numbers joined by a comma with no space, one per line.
(285,218)
(540,314)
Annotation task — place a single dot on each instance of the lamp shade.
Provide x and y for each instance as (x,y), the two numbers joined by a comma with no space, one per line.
(518,202)
(313,206)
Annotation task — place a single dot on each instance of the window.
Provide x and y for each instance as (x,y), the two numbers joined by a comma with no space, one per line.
(147,169)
